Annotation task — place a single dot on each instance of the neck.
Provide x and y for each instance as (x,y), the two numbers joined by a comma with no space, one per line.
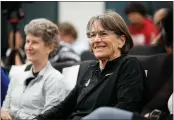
(103,62)
(39,65)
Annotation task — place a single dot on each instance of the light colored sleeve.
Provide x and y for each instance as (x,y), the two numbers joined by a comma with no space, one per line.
(55,92)
(6,103)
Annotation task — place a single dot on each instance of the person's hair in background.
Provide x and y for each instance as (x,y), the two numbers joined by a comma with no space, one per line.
(113,22)
(48,32)
(136,7)
(136,13)
(142,30)
(15,58)
(68,33)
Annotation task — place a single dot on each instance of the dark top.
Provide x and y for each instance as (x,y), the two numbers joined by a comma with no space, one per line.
(119,84)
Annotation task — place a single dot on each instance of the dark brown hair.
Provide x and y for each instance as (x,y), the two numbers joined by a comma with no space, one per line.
(68,29)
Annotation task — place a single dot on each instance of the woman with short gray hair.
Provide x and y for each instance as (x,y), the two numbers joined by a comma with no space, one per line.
(38,86)
(114,80)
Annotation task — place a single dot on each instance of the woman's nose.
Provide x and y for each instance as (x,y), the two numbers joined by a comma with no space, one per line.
(97,37)
(28,46)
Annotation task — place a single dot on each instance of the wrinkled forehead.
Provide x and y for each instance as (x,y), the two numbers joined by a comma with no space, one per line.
(96,26)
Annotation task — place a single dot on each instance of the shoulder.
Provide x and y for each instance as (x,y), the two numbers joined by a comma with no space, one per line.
(55,79)
(129,59)
(52,73)
(129,63)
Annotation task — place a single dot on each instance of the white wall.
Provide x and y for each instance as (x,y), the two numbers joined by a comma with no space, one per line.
(78,13)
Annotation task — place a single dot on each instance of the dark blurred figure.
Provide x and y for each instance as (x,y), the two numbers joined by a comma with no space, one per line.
(142,29)
(65,53)
(161,99)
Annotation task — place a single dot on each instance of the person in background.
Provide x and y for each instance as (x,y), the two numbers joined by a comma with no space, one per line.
(157,19)
(15,55)
(167,72)
(114,80)
(65,53)
(18,43)
(142,30)
(157,45)
(39,86)
(4,83)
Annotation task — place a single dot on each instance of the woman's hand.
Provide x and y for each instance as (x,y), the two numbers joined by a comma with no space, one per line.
(5,115)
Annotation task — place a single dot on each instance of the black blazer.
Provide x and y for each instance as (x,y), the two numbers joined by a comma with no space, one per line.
(120,85)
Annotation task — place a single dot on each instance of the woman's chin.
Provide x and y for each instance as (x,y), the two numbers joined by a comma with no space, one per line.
(100,57)
(30,59)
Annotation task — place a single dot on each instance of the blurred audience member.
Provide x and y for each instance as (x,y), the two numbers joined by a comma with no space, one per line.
(15,54)
(68,36)
(37,87)
(142,30)
(4,83)
(158,17)
(18,44)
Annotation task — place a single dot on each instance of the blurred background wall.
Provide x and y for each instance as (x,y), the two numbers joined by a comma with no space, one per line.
(78,13)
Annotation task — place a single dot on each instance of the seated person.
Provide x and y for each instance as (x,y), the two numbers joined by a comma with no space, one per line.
(39,86)
(161,105)
(115,80)
(142,30)
(18,44)
(65,53)
(158,42)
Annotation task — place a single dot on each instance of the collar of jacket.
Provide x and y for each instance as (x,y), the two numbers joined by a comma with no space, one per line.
(110,64)
(41,73)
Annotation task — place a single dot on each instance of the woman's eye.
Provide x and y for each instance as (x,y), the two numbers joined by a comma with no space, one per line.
(93,35)
(104,34)
(27,41)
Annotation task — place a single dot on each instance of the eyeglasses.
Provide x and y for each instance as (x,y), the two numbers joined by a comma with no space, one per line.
(101,34)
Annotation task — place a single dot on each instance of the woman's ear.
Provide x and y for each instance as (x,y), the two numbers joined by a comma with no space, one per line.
(51,48)
(122,41)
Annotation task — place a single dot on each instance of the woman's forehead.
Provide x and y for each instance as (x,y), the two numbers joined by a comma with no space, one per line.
(97,26)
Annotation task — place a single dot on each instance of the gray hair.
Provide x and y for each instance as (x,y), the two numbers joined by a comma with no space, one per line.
(114,22)
(45,29)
